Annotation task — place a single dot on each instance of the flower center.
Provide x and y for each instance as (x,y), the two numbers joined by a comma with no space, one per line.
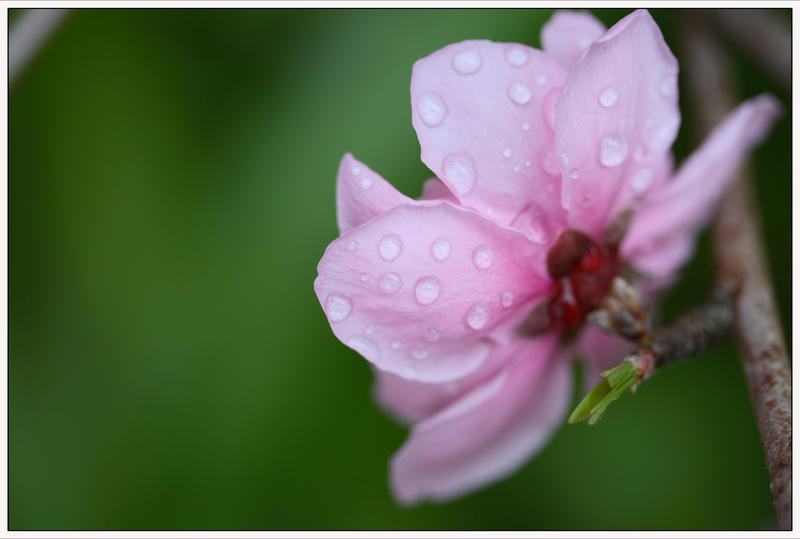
(582,271)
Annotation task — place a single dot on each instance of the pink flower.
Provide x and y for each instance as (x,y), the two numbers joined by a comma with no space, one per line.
(537,153)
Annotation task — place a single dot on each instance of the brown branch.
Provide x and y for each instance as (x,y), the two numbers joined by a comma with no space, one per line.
(741,259)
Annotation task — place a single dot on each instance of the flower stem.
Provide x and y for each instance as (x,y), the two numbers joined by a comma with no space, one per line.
(740,257)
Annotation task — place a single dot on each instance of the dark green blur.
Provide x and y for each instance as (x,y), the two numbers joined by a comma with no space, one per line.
(171,190)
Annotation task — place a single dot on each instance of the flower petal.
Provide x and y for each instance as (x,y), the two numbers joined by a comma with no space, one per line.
(412,401)
(483,113)
(568,33)
(361,194)
(422,267)
(487,434)
(661,235)
(618,113)
(434,189)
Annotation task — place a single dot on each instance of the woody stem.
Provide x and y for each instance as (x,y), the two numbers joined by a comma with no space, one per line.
(740,258)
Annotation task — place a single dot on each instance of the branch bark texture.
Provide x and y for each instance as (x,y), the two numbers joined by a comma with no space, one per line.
(741,261)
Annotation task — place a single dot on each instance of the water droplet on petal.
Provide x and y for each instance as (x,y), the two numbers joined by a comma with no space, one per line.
(519,93)
(641,179)
(440,249)
(364,277)
(507,153)
(409,372)
(366,183)
(390,282)
(431,109)
(506,299)
(608,96)
(432,335)
(549,161)
(364,346)
(482,256)
(517,168)
(541,79)
(356,170)
(526,126)
(516,56)
(467,62)
(352,246)
(574,173)
(562,156)
(338,306)
(427,290)
(613,150)
(477,316)
(668,86)
(390,247)
(419,352)
(527,163)
(395,345)
(460,172)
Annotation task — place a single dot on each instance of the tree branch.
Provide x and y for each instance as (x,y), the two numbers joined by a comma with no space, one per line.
(740,259)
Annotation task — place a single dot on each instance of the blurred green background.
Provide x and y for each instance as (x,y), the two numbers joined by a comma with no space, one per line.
(171,191)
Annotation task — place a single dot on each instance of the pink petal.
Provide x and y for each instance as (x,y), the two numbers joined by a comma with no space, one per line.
(411,401)
(618,113)
(483,113)
(431,266)
(434,189)
(568,33)
(489,433)
(361,194)
(600,351)
(661,236)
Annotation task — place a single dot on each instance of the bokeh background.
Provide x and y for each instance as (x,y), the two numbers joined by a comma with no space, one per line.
(171,190)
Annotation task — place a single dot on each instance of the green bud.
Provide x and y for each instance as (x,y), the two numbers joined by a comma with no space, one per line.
(615,382)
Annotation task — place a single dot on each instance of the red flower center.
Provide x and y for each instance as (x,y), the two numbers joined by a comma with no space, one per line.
(582,271)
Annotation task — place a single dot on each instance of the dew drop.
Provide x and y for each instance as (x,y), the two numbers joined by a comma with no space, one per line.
(549,161)
(574,173)
(477,316)
(516,56)
(519,93)
(549,109)
(338,306)
(527,163)
(364,277)
(427,290)
(541,79)
(517,168)
(460,172)
(668,86)
(431,109)
(562,156)
(395,345)
(526,126)
(364,346)
(432,335)
(352,246)
(506,299)
(440,249)
(419,352)
(390,282)
(366,183)
(608,96)
(507,153)
(467,62)
(613,150)
(482,256)
(641,179)
(390,247)
(356,170)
